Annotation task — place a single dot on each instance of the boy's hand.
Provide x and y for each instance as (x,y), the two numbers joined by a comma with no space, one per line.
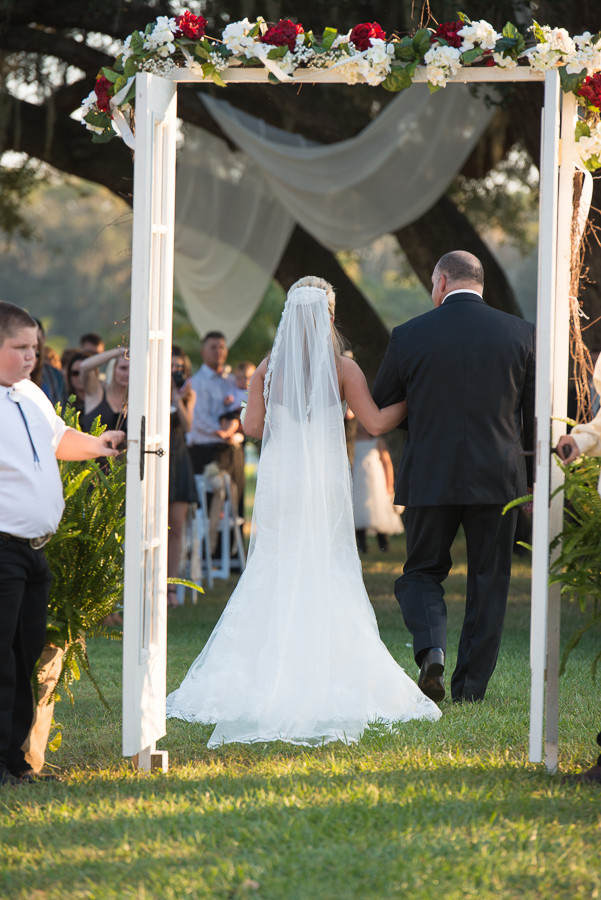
(111,440)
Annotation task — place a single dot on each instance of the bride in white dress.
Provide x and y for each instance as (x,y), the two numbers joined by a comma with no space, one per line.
(296,655)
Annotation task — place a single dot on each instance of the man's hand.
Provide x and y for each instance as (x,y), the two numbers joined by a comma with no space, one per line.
(567,449)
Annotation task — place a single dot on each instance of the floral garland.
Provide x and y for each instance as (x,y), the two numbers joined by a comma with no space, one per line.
(364,55)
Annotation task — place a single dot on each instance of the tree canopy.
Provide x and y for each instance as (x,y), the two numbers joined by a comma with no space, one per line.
(51,54)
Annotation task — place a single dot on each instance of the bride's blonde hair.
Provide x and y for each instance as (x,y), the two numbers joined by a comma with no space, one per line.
(316,282)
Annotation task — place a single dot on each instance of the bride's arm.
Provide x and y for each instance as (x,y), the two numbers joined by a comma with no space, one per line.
(254,414)
(356,393)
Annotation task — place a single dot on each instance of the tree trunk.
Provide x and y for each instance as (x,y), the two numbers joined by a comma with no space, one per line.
(442,229)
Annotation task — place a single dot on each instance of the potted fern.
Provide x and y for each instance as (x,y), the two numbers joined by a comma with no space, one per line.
(86,560)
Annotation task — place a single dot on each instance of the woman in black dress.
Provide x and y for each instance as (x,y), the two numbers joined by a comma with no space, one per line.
(182,489)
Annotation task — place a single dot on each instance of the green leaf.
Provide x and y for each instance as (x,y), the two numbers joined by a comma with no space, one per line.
(328,38)
(510,31)
(463,18)
(421,42)
(538,33)
(254,31)
(505,44)
(581,130)
(136,44)
(398,79)
(571,82)
(277,52)
(55,743)
(120,83)
(130,68)
(471,56)
(110,74)
(100,119)
(404,50)
(434,87)
(202,52)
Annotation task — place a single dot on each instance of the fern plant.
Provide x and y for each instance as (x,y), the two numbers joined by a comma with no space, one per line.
(577,565)
(86,558)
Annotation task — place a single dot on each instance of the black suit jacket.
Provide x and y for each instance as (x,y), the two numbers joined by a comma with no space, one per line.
(467,373)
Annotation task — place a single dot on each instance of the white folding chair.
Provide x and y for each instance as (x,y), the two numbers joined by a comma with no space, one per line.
(199,541)
(230,525)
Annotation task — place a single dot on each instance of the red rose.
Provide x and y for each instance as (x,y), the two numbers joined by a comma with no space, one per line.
(103,90)
(283,34)
(191,26)
(448,32)
(361,35)
(590,90)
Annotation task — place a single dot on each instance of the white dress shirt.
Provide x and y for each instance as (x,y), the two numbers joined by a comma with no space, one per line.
(31,490)
(211,390)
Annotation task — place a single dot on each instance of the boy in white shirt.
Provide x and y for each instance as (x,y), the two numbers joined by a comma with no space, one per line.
(32,438)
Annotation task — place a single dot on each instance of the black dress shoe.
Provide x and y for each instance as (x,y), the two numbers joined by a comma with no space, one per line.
(7,777)
(28,776)
(591,776)
(430,681)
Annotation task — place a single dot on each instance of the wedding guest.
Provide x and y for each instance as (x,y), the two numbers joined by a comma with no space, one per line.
(231,425)
(91,342)
(207,441)
(32,438)
(350,423)
(74,378)
(46,374)
(373,491)
(182,489)
(109,401)
(585,439)
(467,373)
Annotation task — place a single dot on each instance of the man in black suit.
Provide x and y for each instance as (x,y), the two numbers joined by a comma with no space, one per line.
(467,373)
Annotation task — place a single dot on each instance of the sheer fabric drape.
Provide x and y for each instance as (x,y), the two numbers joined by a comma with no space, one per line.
(235,210)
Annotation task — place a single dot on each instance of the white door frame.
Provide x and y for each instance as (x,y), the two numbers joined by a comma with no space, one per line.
(154,178)
(145,601)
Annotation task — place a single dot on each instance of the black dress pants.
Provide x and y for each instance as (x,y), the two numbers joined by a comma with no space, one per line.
(489,537)
(24,589)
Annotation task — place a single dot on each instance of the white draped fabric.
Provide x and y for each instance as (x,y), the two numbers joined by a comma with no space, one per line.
(235,211)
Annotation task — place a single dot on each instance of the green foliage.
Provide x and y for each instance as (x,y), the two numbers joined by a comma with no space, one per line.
(576,552)
(451,809)
(16,186)
(506,199)
(85,557)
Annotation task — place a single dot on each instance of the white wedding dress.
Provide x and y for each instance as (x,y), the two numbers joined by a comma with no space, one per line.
(296,655)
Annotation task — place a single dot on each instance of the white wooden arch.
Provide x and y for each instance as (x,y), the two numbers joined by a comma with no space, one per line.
(145,624)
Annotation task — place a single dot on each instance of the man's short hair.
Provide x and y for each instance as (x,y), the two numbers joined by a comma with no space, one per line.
(461,267)
(212,336)
(12,318)
(90,337)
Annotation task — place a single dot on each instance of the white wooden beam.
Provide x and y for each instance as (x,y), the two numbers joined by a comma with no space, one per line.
(260,75)
(547,264)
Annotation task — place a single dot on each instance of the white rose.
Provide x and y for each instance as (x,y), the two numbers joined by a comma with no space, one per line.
(505,62)
(480,33)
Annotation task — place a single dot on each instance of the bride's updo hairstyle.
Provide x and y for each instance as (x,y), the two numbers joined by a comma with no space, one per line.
(315,281)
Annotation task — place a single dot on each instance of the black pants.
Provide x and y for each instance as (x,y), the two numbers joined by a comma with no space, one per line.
(489,537)
(24,589)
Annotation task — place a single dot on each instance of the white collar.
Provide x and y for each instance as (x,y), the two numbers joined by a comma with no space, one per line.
(462,291)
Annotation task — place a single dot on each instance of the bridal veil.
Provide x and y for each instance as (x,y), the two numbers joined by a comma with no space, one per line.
(296,654)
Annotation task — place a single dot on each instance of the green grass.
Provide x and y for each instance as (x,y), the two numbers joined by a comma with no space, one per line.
(438,810)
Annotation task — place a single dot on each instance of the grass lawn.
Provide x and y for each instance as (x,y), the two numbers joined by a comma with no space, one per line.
(436,811)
